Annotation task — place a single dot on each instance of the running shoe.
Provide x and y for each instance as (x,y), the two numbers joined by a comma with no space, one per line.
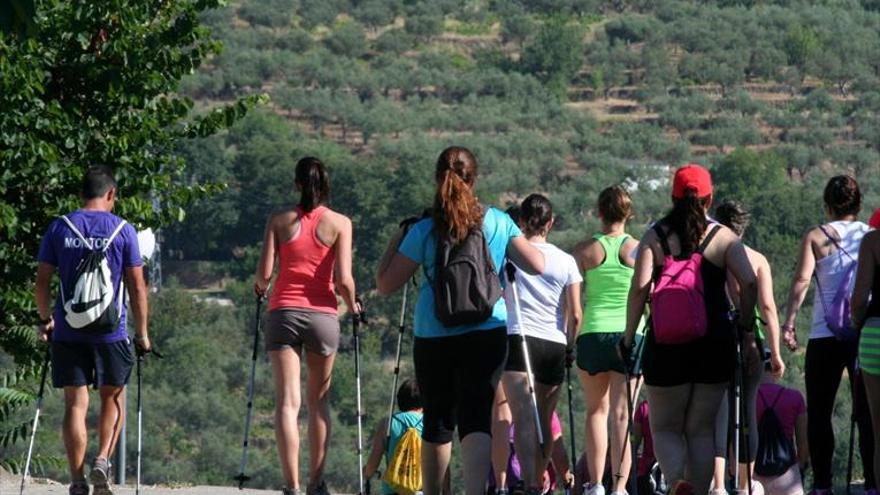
(100,477)
(289,491)
(594,489)
(80,487)
(321,489)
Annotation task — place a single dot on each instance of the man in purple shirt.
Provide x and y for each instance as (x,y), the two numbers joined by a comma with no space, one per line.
(83,357)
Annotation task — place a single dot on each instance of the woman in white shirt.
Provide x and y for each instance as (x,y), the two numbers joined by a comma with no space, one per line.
(827,253)
(551,314)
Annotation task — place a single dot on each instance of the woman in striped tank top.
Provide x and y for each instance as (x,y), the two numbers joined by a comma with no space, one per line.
(608,268)
(866,316)
(312,246)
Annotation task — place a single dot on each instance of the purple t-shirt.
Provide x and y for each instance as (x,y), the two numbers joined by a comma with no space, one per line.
(63,249)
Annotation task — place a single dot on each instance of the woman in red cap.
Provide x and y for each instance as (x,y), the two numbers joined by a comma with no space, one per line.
(874,222)
(689,354)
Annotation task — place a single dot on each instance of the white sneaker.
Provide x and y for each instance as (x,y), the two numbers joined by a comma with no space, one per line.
(757,489)
(594,489)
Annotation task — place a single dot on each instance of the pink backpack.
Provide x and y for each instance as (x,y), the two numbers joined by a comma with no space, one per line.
(678,306)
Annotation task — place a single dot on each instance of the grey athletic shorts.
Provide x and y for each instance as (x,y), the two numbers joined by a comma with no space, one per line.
(317,332)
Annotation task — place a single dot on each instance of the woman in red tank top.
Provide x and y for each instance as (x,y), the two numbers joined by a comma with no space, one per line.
(312,246)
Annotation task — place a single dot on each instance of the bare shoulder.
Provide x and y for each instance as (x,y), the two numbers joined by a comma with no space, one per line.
(629,245)
(724,239)
(758,260)
(283,216)
(338,220)
(588,253)
(650,237)
(582,248)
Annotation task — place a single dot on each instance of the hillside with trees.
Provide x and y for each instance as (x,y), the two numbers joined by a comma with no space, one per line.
(563,97)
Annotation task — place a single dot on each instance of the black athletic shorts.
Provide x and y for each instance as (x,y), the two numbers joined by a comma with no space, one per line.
(708,360)
(547,359)
(457,377)
(76,364)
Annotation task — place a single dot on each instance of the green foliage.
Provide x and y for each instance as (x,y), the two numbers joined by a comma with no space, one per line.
(555,54)
(271,13)
(88,84)
(377,87)
(801,44)
(347,39)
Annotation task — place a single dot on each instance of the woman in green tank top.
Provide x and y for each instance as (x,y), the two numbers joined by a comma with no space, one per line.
(608,268)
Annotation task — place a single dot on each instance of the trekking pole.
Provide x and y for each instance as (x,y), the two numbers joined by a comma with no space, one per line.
(511,277)
(140,414)
(355,324)
(740,415)
(27,462)
(242,478)
(400,332)
(630,407)
(571,435)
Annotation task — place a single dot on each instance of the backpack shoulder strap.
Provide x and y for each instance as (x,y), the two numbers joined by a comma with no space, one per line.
(778,396)
(76,231)
(664,242)
(708,239)
(836,242)
(113,236)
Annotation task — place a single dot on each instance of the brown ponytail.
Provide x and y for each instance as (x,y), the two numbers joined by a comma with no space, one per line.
(456,209)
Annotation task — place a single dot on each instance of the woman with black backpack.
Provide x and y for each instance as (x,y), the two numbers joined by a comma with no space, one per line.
(460,344)
(689,353)
(829,253)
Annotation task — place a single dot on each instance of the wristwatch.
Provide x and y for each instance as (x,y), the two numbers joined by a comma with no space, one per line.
(43,322)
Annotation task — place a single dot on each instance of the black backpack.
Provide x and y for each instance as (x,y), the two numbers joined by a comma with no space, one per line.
(775,451)
(466,284)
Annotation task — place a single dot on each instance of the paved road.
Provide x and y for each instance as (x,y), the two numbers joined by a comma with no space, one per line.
(43,487)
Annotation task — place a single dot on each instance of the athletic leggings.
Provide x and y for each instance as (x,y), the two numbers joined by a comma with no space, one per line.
(825,362)
(457,377)
(724,426)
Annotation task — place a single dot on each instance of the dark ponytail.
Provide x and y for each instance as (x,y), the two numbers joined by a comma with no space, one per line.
(688,220)
(535,215)
(314,183)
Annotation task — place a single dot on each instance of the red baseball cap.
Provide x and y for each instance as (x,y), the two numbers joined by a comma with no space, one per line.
(874,222)
(691,177)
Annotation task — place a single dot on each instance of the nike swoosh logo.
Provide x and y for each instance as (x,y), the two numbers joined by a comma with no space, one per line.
(83,307)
